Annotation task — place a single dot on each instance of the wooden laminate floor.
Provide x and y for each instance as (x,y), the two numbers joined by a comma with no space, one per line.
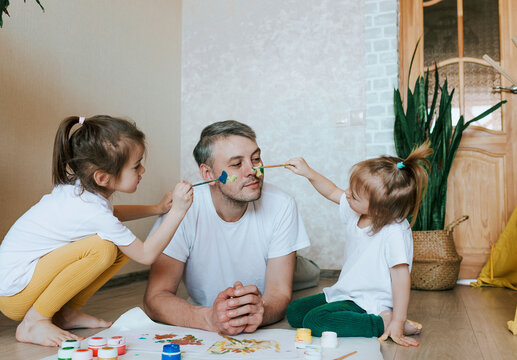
(464,323)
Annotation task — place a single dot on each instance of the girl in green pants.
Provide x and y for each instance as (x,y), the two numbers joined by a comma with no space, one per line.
(371,295)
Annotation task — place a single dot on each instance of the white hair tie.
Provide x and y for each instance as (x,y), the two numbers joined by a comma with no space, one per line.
(81,120)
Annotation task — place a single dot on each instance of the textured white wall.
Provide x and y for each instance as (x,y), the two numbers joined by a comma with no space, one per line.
(294,70)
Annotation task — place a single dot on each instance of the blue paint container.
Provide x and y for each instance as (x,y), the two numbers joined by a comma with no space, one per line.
(171,352)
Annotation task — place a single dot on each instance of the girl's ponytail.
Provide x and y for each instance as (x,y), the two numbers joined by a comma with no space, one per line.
(63,152)
(419,166)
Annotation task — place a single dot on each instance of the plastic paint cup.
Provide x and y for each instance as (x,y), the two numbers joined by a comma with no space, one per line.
(107,353)
(171,352)
(303,338)
(76,344)
(329,339)
(95,343)
(118,342)
(65,353)
(82,354)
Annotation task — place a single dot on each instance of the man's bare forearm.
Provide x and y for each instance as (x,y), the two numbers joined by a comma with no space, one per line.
(171,309)
(274,309)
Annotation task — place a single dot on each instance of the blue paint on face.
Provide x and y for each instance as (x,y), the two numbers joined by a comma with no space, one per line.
(223,177)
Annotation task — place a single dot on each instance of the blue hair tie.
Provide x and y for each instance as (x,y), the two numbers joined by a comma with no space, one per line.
(400,165)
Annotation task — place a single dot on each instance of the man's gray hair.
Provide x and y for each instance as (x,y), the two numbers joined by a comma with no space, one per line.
(222,129)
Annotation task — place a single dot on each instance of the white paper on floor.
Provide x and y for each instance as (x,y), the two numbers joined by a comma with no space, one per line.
(145,340)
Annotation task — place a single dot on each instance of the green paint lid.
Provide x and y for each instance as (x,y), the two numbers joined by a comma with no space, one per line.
(76,344)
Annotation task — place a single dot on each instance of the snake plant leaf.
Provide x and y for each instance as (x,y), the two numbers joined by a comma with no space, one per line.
(435,96)
(421,111)
(401,142)
(487,112)
(410,118)
(3,9)
(39,3)
(5,3)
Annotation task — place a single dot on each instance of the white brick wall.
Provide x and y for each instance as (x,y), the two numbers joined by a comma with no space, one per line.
(381,40)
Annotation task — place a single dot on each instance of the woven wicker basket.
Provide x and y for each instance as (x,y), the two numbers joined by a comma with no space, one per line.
(436,263)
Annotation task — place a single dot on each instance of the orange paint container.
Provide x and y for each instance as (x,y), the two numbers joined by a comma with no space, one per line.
(82,354)
(95,343)
(118,342)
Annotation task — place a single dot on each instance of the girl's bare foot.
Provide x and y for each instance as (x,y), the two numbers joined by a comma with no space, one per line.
(68,318)
(410,327)
(38,329)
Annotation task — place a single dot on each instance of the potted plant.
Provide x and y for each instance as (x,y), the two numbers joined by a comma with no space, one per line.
(3,9)
(432,121)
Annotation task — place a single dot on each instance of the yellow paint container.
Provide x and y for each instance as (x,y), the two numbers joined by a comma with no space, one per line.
(107,353)
(303,338)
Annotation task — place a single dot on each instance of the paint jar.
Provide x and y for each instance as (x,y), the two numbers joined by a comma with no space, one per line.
(312,352)
(107,353)
(82,354)
(118,342)
(76,344)
(303,338)
(329,339)
(95,343)
(171,352)
(65,353)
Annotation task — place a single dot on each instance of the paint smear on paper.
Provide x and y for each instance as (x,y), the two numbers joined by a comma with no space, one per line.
(246,346)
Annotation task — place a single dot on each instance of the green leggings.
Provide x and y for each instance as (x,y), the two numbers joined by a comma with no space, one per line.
(345,318)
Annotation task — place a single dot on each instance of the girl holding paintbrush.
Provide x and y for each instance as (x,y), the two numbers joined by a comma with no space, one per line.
(371,295)
(62,250)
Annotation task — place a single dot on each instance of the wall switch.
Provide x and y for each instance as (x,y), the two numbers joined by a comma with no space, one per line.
(356,117)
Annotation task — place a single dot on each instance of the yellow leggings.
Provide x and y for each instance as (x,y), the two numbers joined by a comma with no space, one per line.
(68,275)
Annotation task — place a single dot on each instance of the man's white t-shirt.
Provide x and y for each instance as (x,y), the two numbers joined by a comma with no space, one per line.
(217,253)
(365,277)
(61,217)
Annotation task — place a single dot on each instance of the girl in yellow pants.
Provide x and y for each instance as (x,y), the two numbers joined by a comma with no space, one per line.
(65,279)
(63,249)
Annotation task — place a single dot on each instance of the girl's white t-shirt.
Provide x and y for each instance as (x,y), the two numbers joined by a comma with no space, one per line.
(365,277)
(63,216)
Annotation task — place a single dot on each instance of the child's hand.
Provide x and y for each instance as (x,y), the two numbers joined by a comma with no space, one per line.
(182,196)
(395,331)
(299,166)
(165,203)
